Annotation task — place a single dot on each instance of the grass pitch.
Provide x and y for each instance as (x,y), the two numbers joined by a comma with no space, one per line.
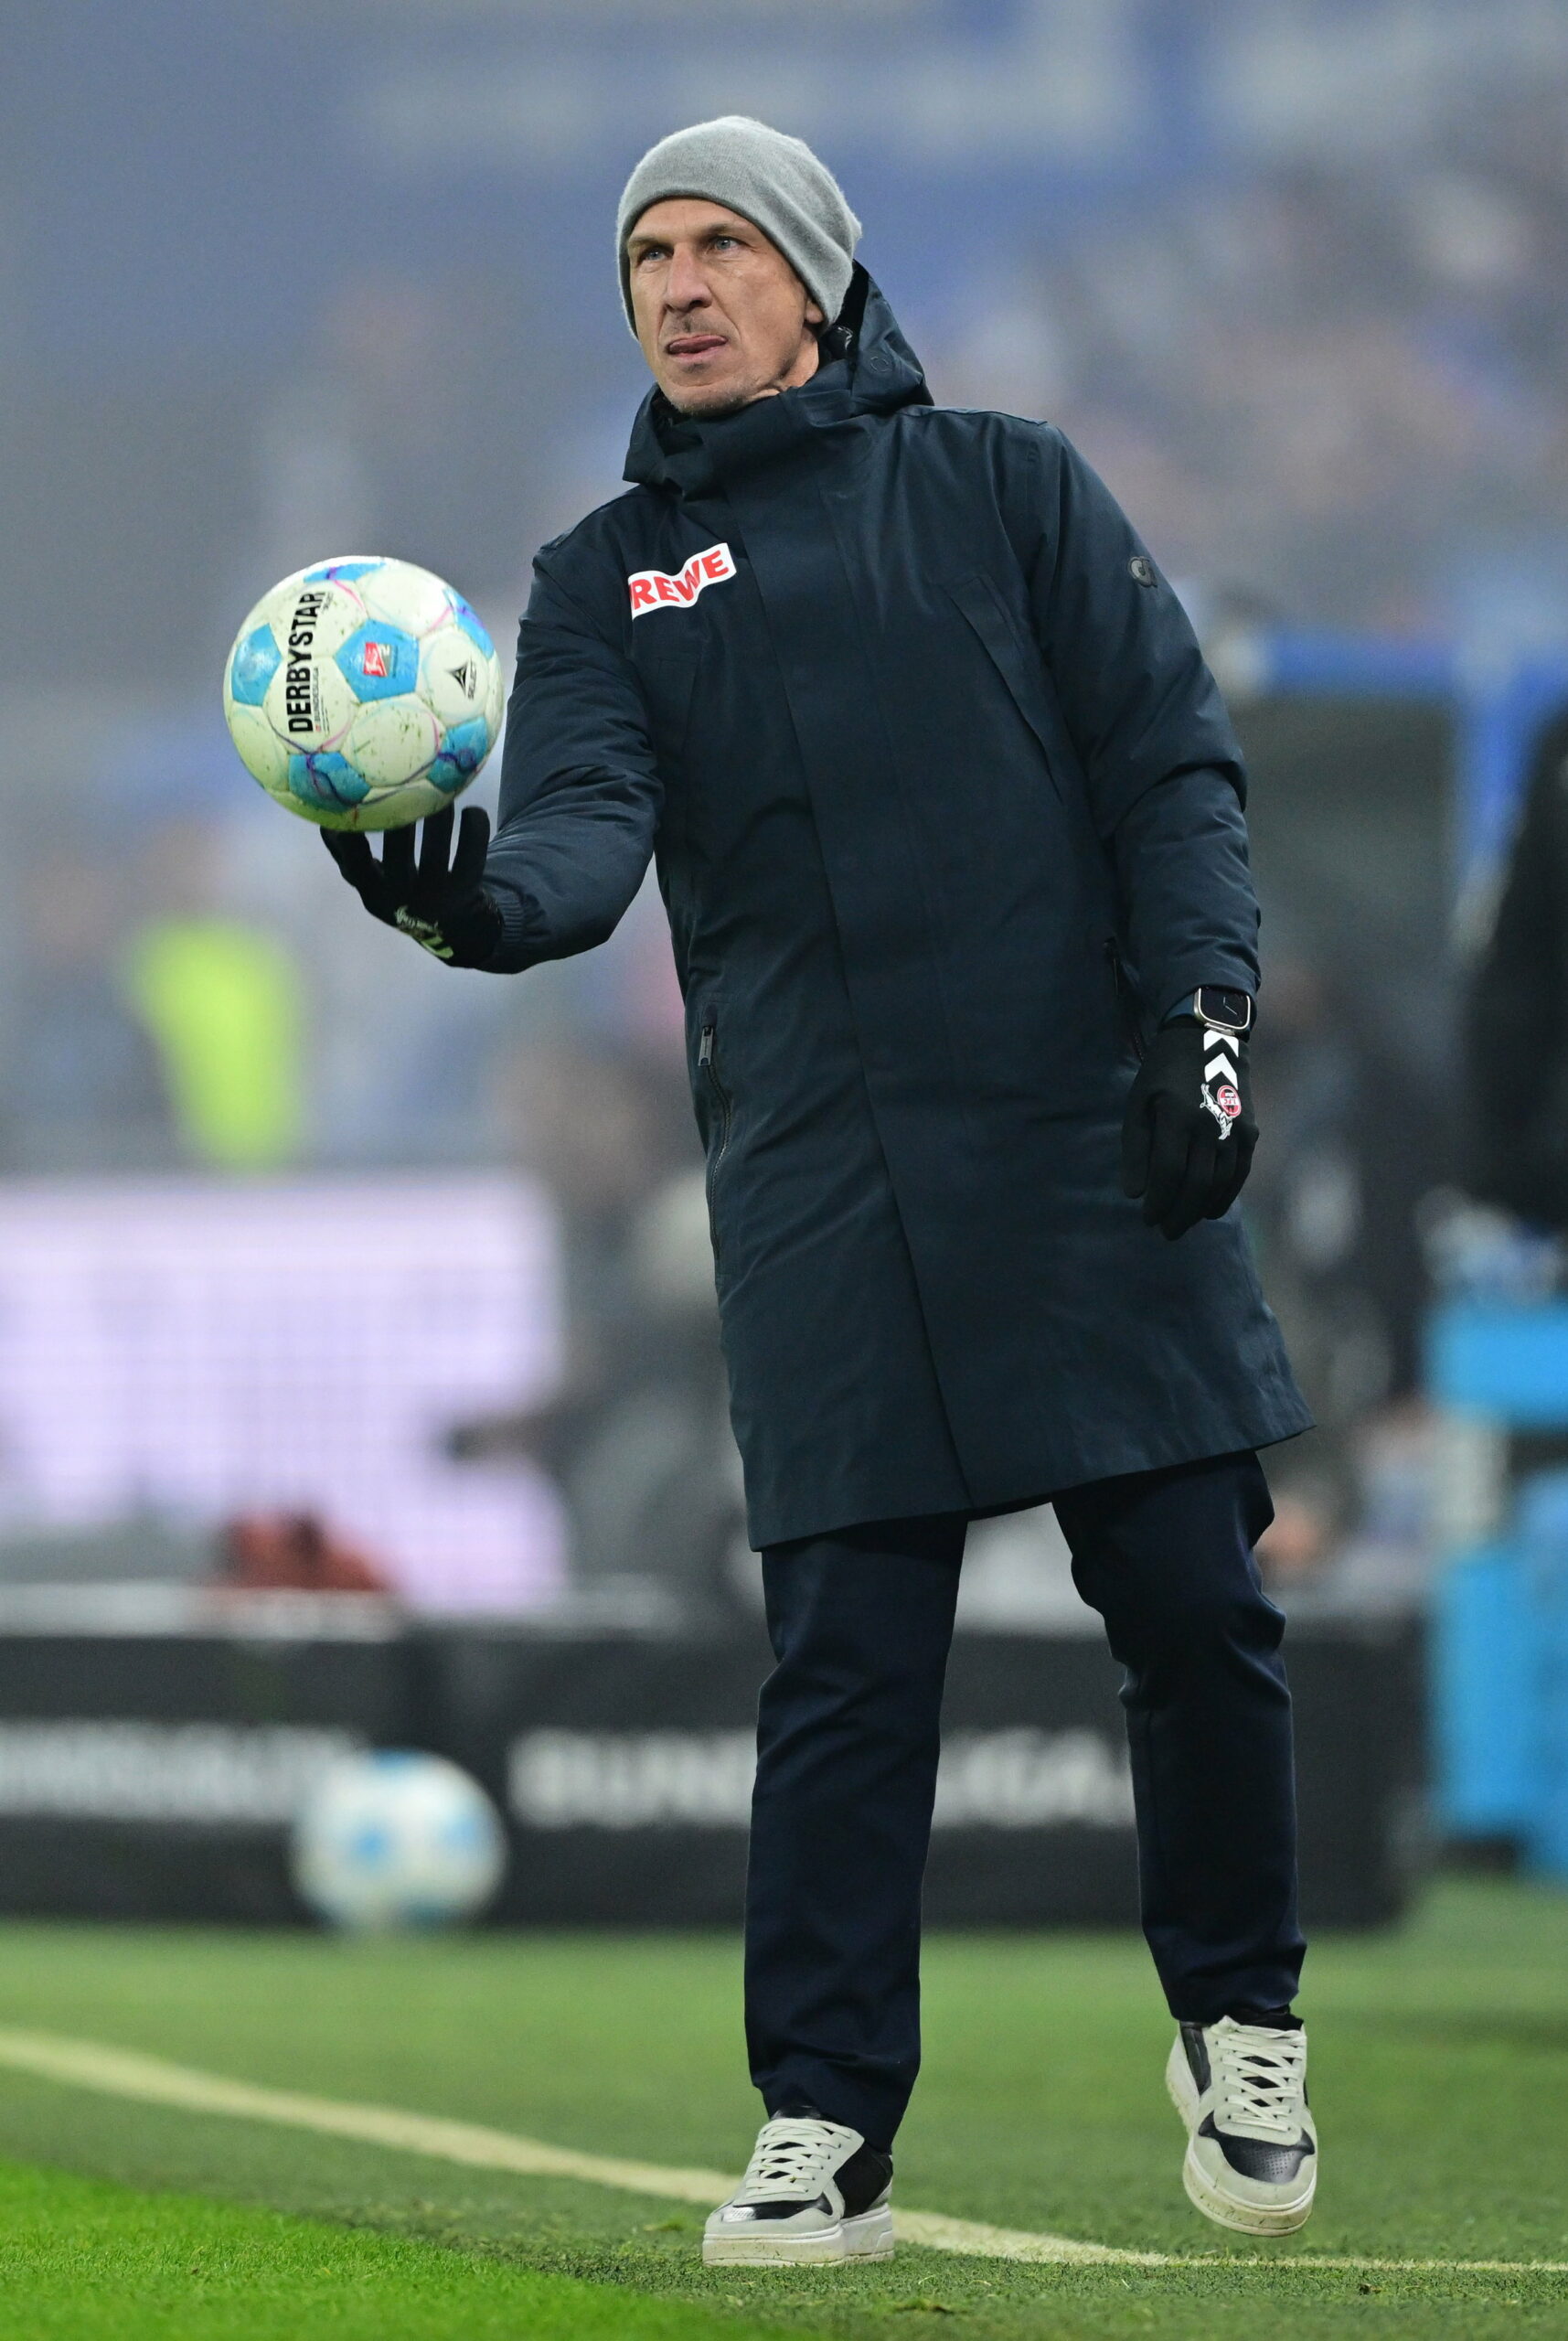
(85,2261)
(1440,2076)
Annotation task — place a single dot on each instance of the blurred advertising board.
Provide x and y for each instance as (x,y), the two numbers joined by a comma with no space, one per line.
(196,1351)
(624,1764)
(155,1745)
(156,1741)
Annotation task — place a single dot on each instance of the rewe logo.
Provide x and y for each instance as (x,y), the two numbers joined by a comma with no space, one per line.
(651,588)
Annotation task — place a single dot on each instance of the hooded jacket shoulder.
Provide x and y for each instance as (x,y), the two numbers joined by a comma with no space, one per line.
(585,567)
(1045,491)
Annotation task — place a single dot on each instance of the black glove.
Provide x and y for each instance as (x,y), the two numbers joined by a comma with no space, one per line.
(1189,1136)
(446,911)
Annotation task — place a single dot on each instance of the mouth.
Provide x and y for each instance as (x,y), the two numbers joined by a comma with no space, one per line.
(695,345)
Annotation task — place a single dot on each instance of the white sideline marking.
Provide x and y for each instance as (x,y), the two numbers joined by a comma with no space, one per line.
(124,2072)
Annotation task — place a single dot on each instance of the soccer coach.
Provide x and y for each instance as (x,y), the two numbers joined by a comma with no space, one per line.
(947,816)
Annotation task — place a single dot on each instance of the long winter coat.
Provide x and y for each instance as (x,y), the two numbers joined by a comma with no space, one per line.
(945,803)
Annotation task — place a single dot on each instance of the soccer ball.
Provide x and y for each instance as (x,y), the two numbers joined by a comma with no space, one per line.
(363,693)
(397,1839)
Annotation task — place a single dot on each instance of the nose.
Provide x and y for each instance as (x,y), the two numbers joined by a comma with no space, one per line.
(685,286)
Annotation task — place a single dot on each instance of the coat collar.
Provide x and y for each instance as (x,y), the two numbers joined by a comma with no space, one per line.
(874,372)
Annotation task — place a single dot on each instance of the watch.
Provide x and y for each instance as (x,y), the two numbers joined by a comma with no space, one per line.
(1224,1008)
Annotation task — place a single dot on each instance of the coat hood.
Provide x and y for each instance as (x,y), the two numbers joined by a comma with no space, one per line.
(868,368)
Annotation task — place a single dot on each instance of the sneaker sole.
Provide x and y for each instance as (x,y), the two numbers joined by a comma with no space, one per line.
(870,2237)
(1249,2219)
(1225,2210)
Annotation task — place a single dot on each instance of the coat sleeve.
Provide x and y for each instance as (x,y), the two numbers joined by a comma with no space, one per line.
(580,795)
(1164,774)
(1515,1140)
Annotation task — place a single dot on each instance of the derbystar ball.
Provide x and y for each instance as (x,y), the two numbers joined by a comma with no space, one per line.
(363,693)
(395,1838)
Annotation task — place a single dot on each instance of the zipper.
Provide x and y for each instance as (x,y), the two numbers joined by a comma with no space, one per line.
(705,1060)
(1126,996)
(708,1063)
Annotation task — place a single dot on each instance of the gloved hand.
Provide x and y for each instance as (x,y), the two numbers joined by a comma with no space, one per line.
(1189,1135)
(446,911)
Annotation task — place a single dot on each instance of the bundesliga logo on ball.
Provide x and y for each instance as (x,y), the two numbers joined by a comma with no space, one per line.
(363,693)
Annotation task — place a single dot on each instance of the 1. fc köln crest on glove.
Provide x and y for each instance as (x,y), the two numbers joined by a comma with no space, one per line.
(1221,1075)
(1189,1132)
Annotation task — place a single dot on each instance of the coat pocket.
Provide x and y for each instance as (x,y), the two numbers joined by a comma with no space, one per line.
(1130,1001)
(1021,668)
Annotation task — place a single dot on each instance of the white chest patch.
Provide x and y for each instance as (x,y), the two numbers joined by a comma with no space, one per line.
(654,589)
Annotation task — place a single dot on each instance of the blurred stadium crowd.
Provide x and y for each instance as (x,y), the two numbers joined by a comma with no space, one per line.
(1297,290)
(1327,387)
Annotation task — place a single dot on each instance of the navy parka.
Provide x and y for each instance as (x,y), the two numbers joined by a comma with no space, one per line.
(945,803)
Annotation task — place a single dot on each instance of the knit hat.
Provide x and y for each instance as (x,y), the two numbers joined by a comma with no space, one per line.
(770,179)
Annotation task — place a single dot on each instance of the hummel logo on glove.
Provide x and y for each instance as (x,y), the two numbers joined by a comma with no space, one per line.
(1189,1135)
(1222,1078)
(446,911)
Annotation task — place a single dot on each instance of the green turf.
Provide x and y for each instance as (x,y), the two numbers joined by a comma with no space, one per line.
(83,2259)
(1440,2075)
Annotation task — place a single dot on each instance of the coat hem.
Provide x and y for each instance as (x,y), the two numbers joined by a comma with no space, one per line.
(1040,1489)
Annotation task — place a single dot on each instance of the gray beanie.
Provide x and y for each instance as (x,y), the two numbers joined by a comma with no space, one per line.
(770,179)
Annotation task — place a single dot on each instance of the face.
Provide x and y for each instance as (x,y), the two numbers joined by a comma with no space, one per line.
(722,316)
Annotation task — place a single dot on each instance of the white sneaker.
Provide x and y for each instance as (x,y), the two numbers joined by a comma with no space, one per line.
(814,2193)
(1252,2149)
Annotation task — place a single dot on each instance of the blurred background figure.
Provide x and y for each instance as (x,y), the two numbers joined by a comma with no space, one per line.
(1516,1021)
(86,1083)
(222,1002)
(635,1434)
(1358,1145)
(293,1553)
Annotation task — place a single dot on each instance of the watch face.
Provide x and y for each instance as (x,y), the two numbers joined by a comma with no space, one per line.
(1216,1005)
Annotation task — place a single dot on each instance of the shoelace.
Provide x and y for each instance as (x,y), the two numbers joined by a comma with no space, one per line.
(794,2155)
(1259,2077)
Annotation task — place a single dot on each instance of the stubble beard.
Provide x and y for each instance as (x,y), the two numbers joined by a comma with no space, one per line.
(714,409)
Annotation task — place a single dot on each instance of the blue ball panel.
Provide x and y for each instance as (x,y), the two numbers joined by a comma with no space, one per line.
(465,1832)
(346,570)
(370,1846)
(327,781)
(463,616)
(462,752)
(378,661)
(256,661)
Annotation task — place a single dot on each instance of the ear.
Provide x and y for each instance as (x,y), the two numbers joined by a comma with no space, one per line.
(814,314)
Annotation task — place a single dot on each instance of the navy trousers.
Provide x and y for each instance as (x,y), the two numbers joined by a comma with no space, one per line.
(860,1624)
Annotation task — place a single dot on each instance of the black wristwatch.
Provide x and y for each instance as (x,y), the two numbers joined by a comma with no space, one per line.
(1223,1008)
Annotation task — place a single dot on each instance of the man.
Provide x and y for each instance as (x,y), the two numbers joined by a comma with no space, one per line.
(947,818)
